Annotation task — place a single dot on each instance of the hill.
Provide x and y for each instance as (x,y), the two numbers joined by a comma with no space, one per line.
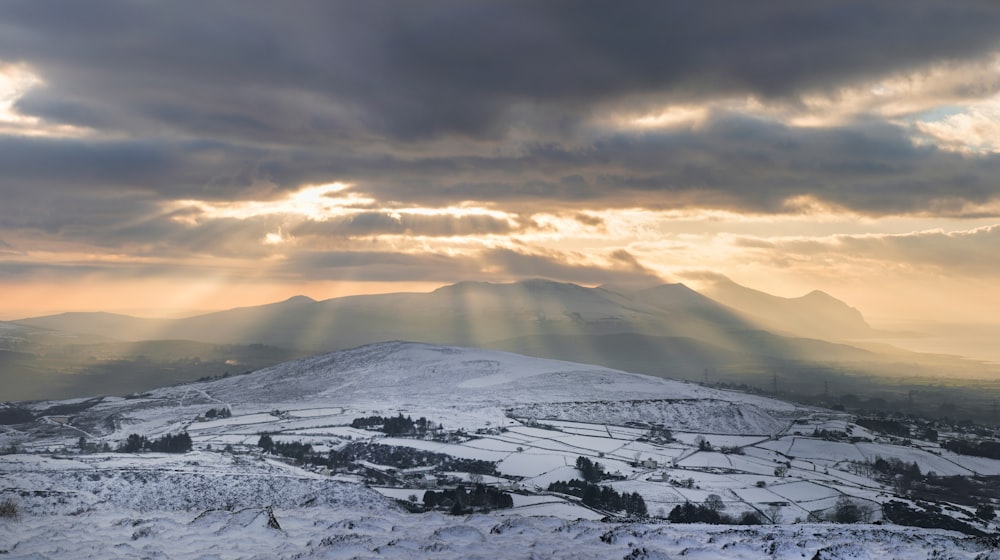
(667,330)
(328,453)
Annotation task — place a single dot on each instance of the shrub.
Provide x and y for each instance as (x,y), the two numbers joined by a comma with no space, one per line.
(847,510)
(10,510)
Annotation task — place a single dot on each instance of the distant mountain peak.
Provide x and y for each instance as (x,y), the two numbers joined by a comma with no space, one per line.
(819,294)
(299,299)
(817,314)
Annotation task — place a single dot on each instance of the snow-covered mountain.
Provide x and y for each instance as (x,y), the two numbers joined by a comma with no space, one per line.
(471,417)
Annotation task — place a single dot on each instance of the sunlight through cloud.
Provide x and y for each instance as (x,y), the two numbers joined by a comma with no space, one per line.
(16,80)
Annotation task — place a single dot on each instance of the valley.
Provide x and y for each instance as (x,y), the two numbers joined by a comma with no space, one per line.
(814,349)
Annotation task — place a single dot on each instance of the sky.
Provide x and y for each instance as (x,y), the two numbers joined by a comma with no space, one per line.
(166,157)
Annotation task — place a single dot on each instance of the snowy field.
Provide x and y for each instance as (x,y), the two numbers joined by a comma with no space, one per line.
(382,532)
(532,418)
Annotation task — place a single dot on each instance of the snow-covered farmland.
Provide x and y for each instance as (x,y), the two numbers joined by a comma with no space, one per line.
(531,420)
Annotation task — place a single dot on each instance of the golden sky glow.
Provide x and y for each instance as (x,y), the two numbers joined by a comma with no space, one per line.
(175,175)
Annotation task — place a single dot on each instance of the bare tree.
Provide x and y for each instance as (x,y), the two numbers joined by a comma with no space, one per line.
(714,503)
(774,514)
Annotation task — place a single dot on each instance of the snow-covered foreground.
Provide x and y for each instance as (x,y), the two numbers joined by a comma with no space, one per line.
(530,418)
(205,505)
(333,533)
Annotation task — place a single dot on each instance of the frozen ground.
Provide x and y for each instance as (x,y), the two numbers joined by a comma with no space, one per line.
(534,418)
(334,532)
(210,506)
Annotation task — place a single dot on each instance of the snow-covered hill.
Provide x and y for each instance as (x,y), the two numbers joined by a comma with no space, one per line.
(528,420)
(668,330)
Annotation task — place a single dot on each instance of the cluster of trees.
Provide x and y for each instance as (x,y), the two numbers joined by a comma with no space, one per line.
(893,466)
(15,415)
(459,501)
(301,452)
(849,510)
(885,426)
(170,443)
(892,471)
(406,457)
(389,455)
(223,412)
(591,471)
(393,425)
(908,480)
(984,448)
(829,435)
(710,512)
(602,497)
(659,433)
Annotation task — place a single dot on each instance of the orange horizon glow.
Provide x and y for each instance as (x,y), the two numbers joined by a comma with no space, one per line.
(147,298)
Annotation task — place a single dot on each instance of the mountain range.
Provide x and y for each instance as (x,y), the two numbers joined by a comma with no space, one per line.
(479,313)
(668,330)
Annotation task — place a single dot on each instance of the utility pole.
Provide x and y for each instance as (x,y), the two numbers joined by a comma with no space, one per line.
(706,377)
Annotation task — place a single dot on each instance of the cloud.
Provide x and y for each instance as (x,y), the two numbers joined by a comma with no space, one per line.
(402,223)
(589,219)
(732,162)
(379,266)
(973,130)
(530,113)
(973,252)
(449,102)
(326,70)
(499,264)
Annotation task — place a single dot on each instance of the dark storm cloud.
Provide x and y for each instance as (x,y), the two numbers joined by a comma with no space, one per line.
(210,101)
(319,70)
(205,168)
(730,162)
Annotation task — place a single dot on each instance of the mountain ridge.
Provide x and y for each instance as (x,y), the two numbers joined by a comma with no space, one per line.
(667,330)
(816,314)
(547,300)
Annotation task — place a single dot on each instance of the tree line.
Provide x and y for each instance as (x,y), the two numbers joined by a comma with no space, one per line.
(170,443)
(458,501)
(985,448)
(393,425)
(602,497)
